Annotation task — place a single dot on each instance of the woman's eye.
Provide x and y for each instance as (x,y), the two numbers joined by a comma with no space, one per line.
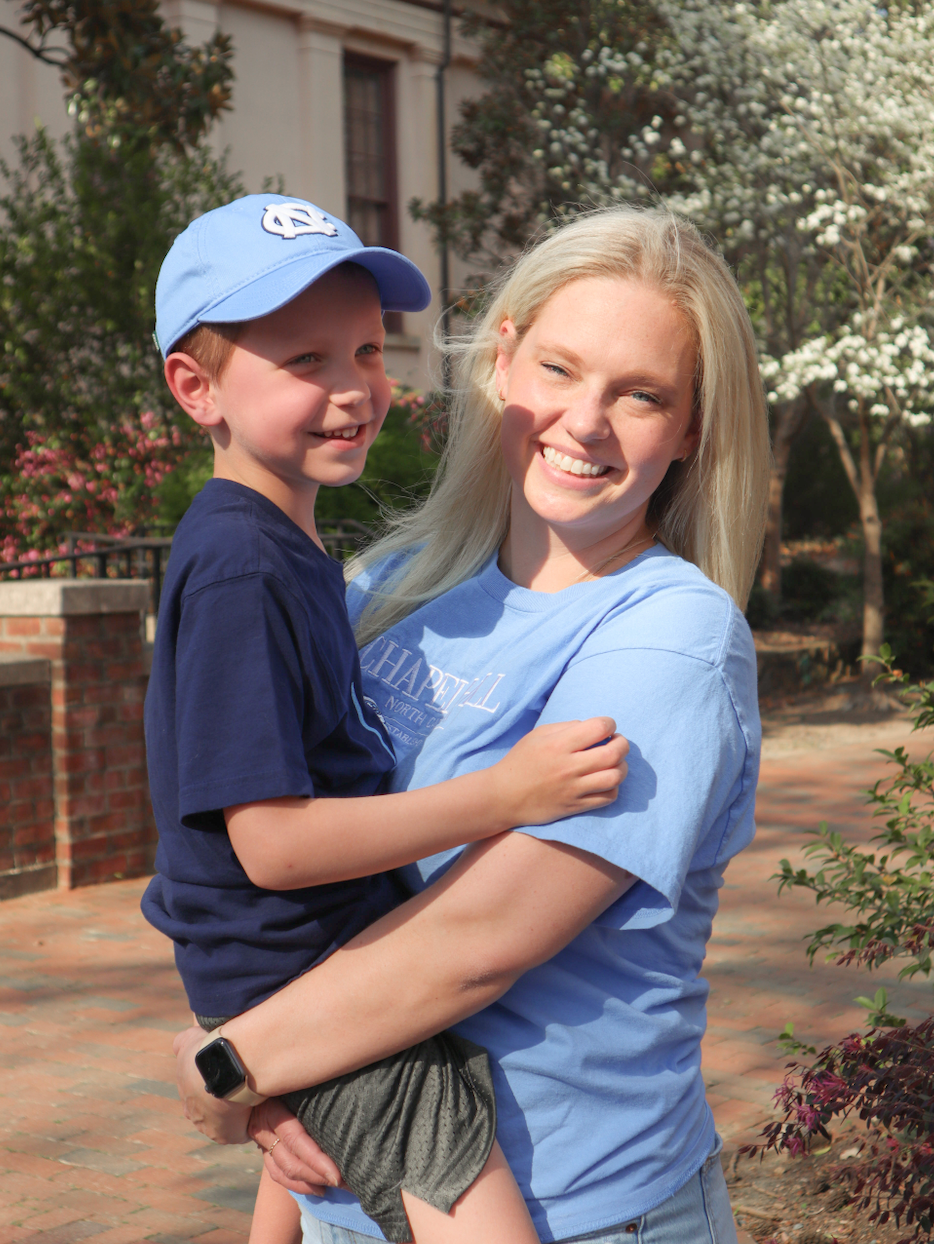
(641,396)
(555,369)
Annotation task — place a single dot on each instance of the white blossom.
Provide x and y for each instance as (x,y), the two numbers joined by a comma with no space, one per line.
(820,114)
(804,130)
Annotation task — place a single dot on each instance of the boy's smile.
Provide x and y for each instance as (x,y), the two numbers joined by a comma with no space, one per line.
(303,395)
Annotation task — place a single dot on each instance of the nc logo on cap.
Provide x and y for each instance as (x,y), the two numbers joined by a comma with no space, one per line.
(288,220)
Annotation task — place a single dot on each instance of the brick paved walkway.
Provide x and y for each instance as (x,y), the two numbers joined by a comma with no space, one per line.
(756,962)
(92,1141)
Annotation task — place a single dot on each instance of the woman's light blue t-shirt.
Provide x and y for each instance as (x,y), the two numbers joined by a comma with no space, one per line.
(595,1054)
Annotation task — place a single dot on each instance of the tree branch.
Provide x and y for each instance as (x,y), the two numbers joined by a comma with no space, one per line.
(40,53)
(891,423)
(839,436)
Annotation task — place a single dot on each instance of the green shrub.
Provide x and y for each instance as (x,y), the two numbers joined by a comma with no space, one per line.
(885,1076)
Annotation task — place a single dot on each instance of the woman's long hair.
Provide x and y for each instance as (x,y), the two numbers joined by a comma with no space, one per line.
(709,509)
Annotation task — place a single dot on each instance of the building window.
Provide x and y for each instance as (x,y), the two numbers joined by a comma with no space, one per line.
(369,129)
(370,153)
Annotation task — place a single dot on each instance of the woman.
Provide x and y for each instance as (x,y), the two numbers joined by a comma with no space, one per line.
(587,548)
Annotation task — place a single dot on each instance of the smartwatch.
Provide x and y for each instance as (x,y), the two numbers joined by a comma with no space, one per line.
(223,1073)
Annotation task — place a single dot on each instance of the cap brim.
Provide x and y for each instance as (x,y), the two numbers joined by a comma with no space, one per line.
(401,285)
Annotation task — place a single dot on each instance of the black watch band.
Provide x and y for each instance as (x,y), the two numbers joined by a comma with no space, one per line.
(223,1073)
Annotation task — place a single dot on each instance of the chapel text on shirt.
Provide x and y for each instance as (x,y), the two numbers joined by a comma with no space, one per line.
(446,690)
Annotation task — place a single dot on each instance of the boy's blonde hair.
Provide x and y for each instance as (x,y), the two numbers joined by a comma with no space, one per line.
(709,509)
(210,345)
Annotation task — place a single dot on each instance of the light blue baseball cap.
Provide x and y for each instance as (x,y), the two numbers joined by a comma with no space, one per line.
(254,255)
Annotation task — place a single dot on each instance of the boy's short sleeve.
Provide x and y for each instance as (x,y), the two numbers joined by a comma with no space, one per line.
(249,692)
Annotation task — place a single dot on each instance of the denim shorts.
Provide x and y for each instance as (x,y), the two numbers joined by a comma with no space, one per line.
(698,1214)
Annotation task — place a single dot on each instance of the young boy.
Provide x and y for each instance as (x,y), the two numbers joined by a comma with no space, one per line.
(265,762)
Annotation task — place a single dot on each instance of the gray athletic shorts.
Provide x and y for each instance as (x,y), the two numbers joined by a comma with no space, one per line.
(423,1120)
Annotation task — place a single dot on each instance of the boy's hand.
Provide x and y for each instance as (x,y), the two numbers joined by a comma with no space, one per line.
(560,769)
(290,1156)
(221,1121)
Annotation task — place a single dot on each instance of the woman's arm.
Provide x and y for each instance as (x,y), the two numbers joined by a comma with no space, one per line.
(505,906)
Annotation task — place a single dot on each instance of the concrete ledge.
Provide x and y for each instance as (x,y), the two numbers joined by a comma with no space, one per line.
(17,671)
(59,598)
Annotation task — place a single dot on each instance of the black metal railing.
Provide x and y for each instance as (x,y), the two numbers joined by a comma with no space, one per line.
(144,557)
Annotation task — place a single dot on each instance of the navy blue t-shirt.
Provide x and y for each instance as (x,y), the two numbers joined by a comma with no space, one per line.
(255,693)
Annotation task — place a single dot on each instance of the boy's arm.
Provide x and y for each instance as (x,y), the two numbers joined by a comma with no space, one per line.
(555,771)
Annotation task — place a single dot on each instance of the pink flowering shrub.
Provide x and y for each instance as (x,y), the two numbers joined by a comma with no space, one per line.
(62,483)
(425,414)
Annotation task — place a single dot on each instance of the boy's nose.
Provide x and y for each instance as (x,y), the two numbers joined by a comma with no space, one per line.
(350,393)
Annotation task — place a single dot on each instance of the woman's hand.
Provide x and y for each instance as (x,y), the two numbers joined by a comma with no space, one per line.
(221,1121)
(290,1156)
(561,769)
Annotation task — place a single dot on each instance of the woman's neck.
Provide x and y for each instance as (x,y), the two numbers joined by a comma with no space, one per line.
(535,556)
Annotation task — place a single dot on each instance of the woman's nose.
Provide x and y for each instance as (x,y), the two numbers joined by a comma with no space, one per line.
(587,418)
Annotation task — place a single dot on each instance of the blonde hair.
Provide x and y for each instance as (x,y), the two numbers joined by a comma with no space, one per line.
(709,510)
(211,345)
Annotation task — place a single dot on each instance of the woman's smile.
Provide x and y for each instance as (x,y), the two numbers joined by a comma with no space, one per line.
(568,464)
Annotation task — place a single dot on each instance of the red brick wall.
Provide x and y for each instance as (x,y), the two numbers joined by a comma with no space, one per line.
(103,819)
(27,830)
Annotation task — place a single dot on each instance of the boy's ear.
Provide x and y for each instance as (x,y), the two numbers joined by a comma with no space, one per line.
(192,388)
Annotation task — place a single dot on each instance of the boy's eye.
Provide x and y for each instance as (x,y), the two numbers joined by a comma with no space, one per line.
(303,358)
(371,347)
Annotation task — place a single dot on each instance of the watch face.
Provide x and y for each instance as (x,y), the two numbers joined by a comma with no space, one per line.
(221,1068)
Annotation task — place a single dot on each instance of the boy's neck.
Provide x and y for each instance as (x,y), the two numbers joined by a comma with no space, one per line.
(296,504)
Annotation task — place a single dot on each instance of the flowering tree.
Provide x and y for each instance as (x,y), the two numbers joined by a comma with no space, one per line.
(554,127)
(86,426)
(813,148)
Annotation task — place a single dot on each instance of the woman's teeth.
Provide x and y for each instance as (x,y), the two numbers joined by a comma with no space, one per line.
(347,433)
(573,466)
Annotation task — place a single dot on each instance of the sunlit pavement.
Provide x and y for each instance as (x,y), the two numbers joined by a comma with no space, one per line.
(92,1140)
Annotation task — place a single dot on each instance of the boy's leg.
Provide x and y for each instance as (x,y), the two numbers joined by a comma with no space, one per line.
(276,1216)
(422,1122)
(491,1210)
